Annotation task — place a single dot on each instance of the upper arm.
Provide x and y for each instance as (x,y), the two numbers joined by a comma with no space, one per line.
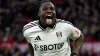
(27,29)
(75,32)
(25,34)
(31,50)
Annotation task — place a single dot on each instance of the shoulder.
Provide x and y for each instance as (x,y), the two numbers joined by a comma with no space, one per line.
(30,25)
(64,22)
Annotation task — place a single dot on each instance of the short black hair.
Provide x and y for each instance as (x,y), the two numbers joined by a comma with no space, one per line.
(33,11)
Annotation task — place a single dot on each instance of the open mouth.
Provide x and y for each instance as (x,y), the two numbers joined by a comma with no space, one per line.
(49,19)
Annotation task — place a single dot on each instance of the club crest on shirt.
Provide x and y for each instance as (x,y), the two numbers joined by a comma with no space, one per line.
(59,34)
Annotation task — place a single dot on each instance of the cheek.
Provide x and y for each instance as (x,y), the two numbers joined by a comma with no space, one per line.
(41,13)
(43,20)
(54,13)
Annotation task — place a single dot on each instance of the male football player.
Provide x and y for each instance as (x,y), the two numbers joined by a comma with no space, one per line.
(49,36)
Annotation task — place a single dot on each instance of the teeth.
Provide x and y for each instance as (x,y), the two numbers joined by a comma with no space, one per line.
(48,15)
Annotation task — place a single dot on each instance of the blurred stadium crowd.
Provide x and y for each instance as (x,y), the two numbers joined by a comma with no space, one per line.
(84,14)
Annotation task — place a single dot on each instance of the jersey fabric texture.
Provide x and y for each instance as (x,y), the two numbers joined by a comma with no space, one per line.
(51,41)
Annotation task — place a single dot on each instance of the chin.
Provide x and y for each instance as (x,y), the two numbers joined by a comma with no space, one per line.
(49,24)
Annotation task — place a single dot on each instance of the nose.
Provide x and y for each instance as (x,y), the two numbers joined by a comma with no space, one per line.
(49,10)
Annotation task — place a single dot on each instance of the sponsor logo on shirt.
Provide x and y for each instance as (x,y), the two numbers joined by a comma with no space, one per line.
(48,47)
(38,38)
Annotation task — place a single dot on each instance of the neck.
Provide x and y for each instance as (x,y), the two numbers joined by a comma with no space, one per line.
(45,26)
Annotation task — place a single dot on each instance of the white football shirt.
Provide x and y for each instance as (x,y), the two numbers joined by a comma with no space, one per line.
(51,41)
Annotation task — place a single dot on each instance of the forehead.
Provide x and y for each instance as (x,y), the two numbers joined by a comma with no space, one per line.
(47,4)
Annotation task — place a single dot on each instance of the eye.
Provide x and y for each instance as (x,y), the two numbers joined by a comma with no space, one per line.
(45,8)
(51,8)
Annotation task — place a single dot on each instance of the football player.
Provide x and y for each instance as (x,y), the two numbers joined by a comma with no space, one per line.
(49,36)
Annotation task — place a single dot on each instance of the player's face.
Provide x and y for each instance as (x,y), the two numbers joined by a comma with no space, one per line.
(47,13)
